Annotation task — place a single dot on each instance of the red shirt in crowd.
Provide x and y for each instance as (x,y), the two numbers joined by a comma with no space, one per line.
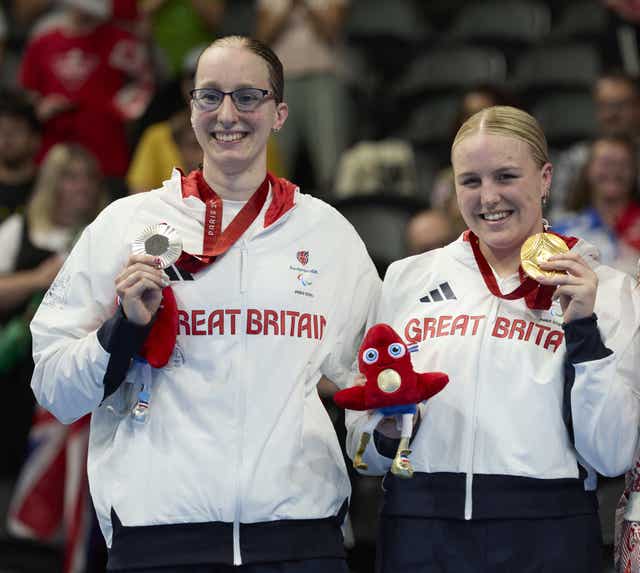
(105,73)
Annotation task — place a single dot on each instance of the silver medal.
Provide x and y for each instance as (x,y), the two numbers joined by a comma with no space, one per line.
(161,241)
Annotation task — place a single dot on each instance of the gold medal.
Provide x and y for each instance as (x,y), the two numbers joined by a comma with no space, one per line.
(160,241)
(389,380)
(537,249)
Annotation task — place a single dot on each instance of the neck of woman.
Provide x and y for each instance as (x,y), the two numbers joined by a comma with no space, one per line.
(237,186)
(504,262)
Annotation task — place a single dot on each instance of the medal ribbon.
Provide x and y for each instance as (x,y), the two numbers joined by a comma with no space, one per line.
(537,296)
(214,241)
(161,340)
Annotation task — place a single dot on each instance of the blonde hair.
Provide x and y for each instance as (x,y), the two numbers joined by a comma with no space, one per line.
(42,206)
(509,122)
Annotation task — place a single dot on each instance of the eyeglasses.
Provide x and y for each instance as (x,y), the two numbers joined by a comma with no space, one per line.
(245,99)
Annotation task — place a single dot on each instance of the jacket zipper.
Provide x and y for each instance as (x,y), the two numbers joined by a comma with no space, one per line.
(241,406)
(244,282)
(468,498)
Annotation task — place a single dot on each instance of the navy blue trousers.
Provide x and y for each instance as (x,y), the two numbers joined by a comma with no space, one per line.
(548,545)
(306,566)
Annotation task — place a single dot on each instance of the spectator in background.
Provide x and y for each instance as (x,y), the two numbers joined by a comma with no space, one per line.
(90,79)
(186,142)
(306,34)
(617,103)
(178,26)
(164,146)
(52,487)
(427,230)
(67,195)
(620,47)
(158,150)
(19,143)
(604,203)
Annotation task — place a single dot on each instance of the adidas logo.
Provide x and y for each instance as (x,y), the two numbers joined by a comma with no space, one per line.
(176,275)
(441,293)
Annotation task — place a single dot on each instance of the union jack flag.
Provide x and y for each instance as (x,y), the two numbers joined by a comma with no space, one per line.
(52,492)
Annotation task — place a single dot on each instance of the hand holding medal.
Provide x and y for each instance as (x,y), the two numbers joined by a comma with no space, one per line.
(538,249)
(160,241)
(546,258)
(140,283)
(139,287)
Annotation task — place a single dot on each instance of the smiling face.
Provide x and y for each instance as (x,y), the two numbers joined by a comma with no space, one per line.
(235,142)
(499,188)
(616,107)
(77,193)
(611,172)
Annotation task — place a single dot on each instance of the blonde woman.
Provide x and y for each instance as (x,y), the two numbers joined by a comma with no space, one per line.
(68,194)
(543,377)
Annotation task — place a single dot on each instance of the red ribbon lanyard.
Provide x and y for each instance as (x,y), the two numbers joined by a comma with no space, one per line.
(523,288)
(214,241)
(536,296)
(161,340)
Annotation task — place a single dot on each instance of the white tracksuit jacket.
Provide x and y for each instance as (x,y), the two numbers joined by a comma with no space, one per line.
(494,442)
(236,433)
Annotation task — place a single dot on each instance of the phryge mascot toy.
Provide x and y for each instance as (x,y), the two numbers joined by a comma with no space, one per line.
(392,388)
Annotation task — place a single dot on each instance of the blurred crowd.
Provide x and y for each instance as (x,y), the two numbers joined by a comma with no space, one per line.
(94,105)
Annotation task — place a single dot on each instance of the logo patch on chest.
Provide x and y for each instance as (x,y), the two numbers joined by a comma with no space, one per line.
(442,292)
(305,277)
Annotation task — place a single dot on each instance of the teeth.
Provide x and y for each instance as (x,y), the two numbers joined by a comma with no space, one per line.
(226,137)
(495,216)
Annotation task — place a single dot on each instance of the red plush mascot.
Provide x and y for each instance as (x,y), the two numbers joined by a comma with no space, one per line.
(392,388)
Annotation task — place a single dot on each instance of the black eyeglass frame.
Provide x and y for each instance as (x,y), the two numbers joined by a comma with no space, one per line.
(266,94)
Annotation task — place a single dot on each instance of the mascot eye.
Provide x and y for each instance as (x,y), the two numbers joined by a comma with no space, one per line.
(396,350)
(370,355)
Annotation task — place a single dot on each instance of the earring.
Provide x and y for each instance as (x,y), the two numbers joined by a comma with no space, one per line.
(275,129)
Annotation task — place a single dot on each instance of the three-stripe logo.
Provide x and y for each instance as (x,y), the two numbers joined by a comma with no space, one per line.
(443,292)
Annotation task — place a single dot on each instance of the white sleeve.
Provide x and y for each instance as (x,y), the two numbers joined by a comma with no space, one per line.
(357,299)
(70,363)
(605,398)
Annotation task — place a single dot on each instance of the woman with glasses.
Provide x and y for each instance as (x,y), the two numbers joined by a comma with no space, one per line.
(210,449)
(540,342)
